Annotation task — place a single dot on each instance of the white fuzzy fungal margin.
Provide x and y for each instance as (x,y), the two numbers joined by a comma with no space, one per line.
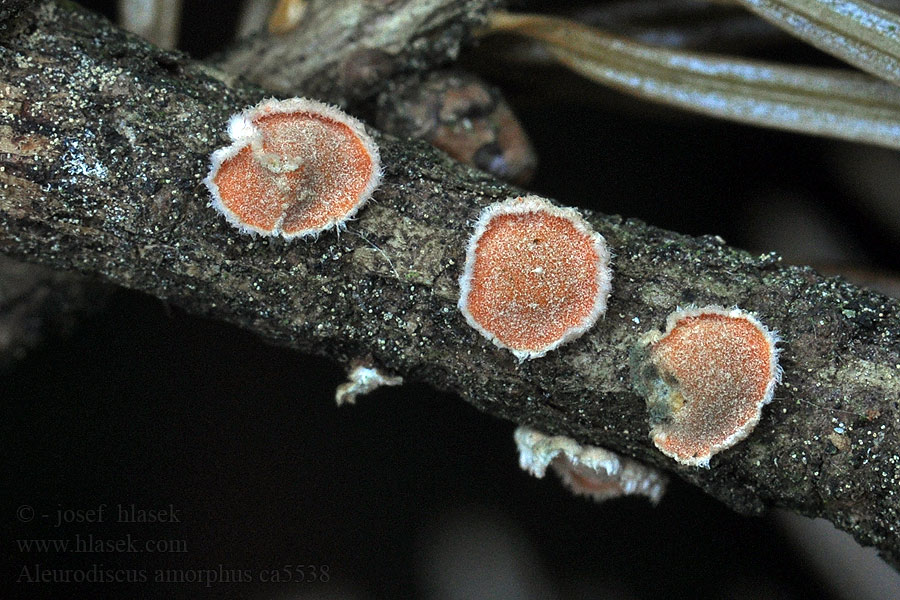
(590,471)
(362,380)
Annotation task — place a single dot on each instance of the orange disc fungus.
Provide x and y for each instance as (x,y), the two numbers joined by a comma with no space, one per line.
(536,276)
(705,380)
(296,167)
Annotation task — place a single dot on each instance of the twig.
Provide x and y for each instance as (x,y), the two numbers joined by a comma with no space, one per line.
(105,141)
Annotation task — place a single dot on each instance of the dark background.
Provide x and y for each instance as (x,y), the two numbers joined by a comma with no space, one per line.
(149,406)
(411,492)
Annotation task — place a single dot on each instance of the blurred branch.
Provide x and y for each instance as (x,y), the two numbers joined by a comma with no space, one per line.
(105,141)
(253,16)
(287,15)
(462,115)
(344,51)
(157,21)
(37,302)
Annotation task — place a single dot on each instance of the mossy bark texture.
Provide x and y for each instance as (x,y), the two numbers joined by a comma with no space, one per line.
(104,142)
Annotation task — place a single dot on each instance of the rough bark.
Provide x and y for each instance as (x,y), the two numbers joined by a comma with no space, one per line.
(104,142)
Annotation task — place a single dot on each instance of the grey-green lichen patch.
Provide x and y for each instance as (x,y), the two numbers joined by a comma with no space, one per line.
(660,391)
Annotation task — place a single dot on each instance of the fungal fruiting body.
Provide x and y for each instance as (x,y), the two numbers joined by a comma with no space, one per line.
(536,276)
(705,380)
(363,379)
(587,470)
(295,168)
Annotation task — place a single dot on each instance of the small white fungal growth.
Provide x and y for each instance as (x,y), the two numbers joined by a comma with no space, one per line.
(295,168)
(705,380)
(536,276)
(362,380)
(587,470)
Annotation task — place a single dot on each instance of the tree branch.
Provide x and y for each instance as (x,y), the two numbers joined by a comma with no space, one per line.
(344,51)
(104,141)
